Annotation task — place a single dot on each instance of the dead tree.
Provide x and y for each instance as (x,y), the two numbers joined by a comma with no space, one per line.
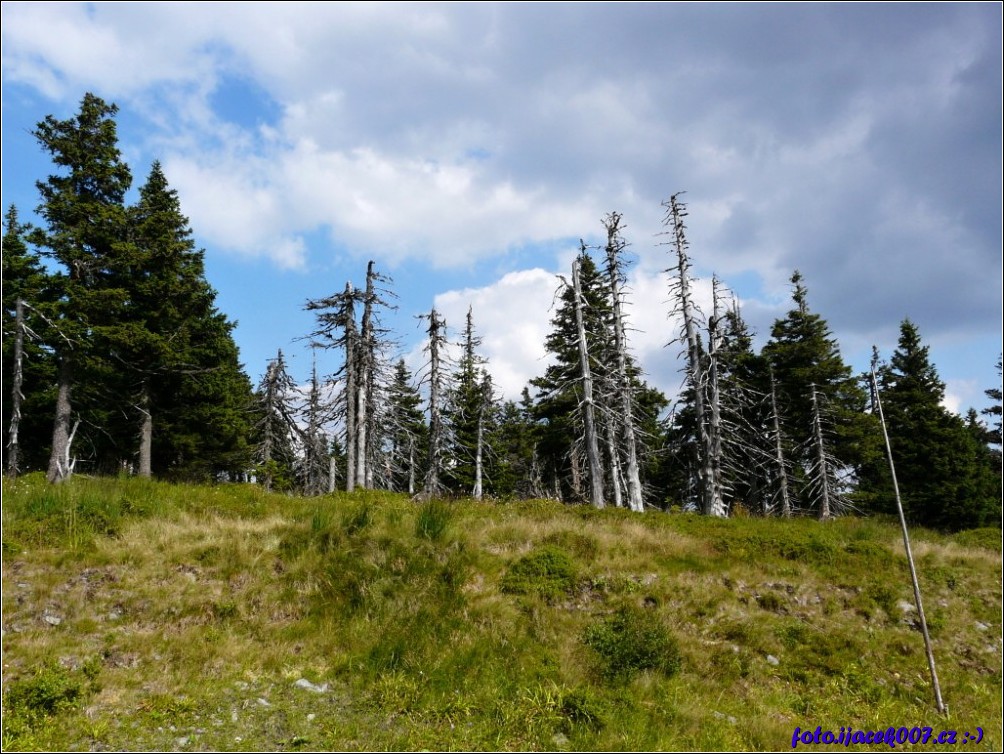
(714,430)
(16,395)
(711,501)
(823,484)
(588,415)
(336,316)
(487,399)
(625,394)
(437,379)
(781,467)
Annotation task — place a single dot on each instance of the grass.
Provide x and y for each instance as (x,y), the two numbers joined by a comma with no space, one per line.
(140,615)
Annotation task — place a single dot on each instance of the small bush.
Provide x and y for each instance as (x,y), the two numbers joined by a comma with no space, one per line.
(28,702)
(548,572)
(631,640)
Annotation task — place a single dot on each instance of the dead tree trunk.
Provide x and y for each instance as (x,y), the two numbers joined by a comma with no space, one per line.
(351,379)
(821,460)
(588,419)
(711,501)
(478,491)
(715,405)
(615,464)
(782,468)
(59,464)
(145,433)
(13,449)
(366,369)
(615,245)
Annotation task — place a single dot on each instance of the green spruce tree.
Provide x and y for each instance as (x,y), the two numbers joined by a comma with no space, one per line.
(85,215)
(944,472)
(805,358)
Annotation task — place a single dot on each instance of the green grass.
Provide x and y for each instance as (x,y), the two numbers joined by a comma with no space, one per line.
(140,615)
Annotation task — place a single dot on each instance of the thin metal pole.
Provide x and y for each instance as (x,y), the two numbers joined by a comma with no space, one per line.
(909,553)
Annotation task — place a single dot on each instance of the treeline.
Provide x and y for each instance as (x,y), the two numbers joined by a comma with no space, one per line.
(122,344)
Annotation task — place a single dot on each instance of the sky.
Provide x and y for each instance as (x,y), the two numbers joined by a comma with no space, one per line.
(467,148)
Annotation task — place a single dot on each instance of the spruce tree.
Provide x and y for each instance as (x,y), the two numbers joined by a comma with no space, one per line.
(805,358)
(83,207)
(275,427)
(406,432)
(944,472)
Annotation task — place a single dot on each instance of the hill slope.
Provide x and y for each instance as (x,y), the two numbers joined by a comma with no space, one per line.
(141,615)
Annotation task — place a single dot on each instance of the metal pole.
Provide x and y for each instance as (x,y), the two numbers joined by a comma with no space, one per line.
(909,553)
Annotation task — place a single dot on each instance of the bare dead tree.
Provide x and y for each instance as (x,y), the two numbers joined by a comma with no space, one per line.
(625,394)
(822,484)
(336,317)
(588,412)
(16,395)
(484,407)
(680,288)
(781,467)
(714,416)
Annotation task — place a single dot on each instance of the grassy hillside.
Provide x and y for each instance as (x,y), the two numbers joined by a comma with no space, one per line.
(141,615)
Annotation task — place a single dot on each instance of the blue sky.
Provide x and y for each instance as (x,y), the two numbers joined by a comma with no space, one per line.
(467,147)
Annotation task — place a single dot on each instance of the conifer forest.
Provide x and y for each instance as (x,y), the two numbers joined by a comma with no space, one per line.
(117,360)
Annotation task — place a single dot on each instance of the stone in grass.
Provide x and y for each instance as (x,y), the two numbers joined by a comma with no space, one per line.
(772,660)
(306,685)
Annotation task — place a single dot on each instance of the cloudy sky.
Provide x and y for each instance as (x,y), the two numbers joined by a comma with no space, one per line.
(466,148)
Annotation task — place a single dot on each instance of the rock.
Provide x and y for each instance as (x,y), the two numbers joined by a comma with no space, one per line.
(728,718)
(560,739)
(310,717)
(982,626)
(52,620)
(906,607)
(262,701)
(772,660)
(306,685)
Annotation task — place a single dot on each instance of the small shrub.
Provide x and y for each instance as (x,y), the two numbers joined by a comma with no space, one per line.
(548,572)
(28,702)
(631,640)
